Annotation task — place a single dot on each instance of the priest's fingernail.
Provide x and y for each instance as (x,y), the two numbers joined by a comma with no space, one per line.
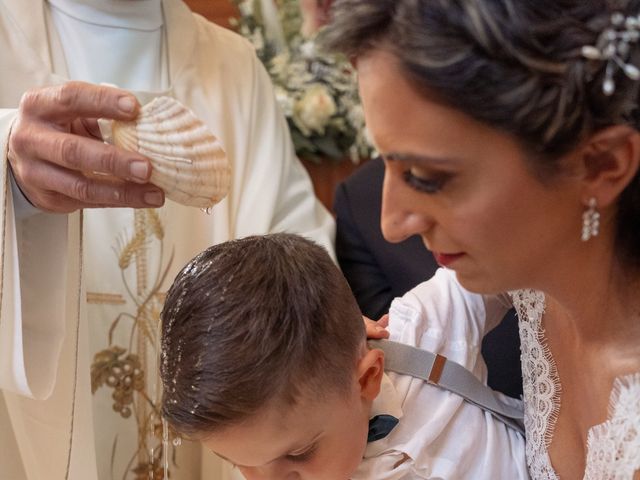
(127,104)
(154,198)
(139,171)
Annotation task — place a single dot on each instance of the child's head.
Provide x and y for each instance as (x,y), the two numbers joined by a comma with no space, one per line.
(264,359)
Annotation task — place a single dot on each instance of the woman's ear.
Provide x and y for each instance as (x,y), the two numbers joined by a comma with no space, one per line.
(370,371)
(610,160)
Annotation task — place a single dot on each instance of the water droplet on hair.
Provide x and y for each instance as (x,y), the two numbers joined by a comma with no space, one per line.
(592,53)
(632,71)
(608,87)
(617,19)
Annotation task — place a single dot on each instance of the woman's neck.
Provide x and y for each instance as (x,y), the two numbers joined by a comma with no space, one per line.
(596,297)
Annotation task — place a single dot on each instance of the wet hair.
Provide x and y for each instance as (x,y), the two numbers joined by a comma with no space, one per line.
(515,65)
(252,323)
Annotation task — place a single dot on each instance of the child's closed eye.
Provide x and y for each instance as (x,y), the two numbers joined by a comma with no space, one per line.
(304,456)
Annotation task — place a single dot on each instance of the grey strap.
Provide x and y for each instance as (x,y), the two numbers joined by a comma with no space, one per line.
(448,375)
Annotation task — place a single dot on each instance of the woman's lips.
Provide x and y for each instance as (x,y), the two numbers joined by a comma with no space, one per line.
(445,259)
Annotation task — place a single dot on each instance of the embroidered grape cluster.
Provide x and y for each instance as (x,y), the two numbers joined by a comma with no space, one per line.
(122,373)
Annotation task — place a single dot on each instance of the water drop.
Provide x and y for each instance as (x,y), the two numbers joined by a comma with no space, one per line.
(165,449)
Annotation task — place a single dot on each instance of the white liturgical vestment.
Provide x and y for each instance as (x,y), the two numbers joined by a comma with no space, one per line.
(74,285)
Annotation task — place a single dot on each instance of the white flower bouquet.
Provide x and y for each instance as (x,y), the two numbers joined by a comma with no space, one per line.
(316,91)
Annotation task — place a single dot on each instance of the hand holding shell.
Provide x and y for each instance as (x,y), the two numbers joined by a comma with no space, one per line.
(187,160)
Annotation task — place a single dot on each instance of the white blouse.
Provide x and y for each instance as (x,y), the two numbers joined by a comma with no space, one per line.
(440,435)
(613,447)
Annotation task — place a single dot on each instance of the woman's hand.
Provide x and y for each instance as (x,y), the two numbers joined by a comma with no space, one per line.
(377,329)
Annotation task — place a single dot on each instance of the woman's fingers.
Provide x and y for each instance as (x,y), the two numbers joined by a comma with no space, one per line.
(374,330)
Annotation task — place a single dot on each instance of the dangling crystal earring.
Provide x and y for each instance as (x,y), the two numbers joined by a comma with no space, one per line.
(590,221)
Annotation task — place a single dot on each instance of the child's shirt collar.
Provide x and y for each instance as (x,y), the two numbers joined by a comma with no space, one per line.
(386,411)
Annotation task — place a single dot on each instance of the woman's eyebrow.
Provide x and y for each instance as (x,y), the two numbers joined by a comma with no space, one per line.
(419,158)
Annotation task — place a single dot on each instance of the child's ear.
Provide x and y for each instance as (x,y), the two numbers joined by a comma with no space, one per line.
(370,372)
(609,160)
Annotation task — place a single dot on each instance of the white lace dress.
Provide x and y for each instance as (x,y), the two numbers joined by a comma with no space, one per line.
(613,447)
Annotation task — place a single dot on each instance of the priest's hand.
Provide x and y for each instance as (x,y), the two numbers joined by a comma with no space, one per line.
(58,158)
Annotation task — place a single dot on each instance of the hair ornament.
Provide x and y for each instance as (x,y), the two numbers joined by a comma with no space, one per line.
(614,47)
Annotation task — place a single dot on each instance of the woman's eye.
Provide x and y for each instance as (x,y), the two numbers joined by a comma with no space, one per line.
(425,183)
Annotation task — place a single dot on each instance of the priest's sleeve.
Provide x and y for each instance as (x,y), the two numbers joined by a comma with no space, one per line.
(33,257)
(278,184)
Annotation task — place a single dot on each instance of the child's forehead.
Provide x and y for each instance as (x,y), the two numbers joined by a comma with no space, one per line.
(278,430)
(259,443)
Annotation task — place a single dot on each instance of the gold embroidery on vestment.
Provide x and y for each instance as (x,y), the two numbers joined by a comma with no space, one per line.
(131,370)
(96,298)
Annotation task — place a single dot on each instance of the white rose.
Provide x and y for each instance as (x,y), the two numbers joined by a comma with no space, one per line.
(356,116)
(313,111)
(279,65)
(257,40)
(284,100)
(308,49)
(246,8)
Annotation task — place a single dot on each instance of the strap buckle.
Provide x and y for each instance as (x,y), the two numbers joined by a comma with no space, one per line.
(435,373)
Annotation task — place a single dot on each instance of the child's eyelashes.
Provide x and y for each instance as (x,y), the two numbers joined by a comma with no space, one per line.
(430,184)
(302,457)
(293,457)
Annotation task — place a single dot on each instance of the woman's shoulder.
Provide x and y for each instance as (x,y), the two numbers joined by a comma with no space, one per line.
(440,316)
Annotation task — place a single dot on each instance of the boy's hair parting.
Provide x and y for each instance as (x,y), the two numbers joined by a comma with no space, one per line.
(253,322)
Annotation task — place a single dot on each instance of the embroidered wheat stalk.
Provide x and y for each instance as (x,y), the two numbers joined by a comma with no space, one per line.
(155,223)
(130,249)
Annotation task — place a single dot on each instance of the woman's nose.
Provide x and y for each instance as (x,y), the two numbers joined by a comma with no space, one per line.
(403,214)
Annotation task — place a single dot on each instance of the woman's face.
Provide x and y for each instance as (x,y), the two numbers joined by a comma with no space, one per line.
(465,188)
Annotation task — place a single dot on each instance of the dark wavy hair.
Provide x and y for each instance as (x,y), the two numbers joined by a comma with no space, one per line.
(515,65)
(253,322)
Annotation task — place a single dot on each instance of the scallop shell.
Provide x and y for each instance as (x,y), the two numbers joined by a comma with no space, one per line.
(188,161)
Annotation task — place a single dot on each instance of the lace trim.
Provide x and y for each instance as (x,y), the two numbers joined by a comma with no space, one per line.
(613,447)
(541,383)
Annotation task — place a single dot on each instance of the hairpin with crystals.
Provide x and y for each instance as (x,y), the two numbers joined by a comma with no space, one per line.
(614,47)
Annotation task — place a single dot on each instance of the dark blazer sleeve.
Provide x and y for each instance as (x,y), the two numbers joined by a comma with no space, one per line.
(378,271)
(368,282)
